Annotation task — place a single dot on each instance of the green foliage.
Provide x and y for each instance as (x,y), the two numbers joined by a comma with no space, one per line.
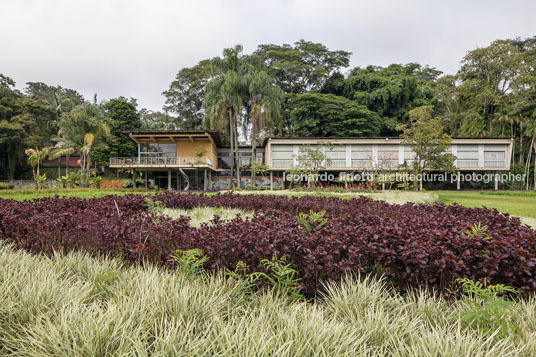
(6,186)
(72,179)
(281,276)
(190,262)
(242,275)
(40,180)
(429,142)
(311,159)
(83,129)
(157,207)
(478,231)
(119,114)
(303,67)
(312,221)
(96,181)
(487,311)
(391,92)
(186,94)
(328,115)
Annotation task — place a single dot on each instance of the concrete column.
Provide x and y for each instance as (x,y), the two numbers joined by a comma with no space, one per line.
(205,178)
(495,179)
(134,178)
(458,182)
(169,180)
(271,180)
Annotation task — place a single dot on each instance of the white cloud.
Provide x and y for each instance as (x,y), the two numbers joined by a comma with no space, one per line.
(135,48)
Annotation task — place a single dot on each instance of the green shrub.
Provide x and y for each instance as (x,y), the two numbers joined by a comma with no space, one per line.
(312,220)
(96,181)
(190,262)
(6,186)
(487,310)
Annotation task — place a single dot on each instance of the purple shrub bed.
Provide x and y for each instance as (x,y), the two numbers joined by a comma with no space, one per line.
(414,245)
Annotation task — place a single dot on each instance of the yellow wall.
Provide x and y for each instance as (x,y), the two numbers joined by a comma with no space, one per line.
(186,148)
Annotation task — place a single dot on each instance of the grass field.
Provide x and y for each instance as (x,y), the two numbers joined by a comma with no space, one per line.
(80,306)
(514,204)
(28,194)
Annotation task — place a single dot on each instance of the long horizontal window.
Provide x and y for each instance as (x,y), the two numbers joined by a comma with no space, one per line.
(159,150)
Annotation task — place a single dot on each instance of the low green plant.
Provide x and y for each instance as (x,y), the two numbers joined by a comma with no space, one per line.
(476,231)
(312,220)
(242,275)
(157,207)
(6,186)
(40,180)
(279,274)
(190,262)
(73,179)
(62,180)
(487,310)
(96,181)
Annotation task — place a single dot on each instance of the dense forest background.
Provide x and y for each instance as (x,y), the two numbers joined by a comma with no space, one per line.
(304,90)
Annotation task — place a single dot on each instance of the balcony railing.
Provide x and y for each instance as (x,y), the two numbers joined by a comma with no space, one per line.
(160,161)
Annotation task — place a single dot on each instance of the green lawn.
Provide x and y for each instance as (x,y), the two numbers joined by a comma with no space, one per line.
(28,194)
(516,205)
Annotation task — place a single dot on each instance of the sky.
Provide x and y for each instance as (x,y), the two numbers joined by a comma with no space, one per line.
(134,48)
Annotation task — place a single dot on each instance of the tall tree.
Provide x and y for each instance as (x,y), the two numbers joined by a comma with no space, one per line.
(425,134)
(391,92)
(303,67)
(24,122)
(223,98)
(81,130)
(264,102)
(186,94)
(486,76)
(120,115)
(328,115)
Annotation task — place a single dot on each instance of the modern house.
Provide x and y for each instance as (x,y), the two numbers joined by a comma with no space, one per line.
(199,158)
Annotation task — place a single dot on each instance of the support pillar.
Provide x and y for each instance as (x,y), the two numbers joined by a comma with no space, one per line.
(134,178)
(178,180)
(205,178)
(169,180)
(496,180)
(271,180)
(458,183)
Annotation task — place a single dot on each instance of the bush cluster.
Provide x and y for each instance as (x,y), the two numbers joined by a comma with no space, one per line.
(414,245)
(6,186)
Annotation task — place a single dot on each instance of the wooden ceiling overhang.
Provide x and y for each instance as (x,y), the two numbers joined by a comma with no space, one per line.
(168,138)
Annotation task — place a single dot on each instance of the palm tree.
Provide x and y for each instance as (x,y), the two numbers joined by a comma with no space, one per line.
(265,99)
(223,98)
(35,158)
(79,131)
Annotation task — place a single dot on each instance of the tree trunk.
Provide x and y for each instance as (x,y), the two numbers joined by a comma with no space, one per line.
(253,150)
(237,155)
(68,158)
(231,139)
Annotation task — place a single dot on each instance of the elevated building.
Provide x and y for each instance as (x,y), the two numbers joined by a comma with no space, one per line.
(200,155)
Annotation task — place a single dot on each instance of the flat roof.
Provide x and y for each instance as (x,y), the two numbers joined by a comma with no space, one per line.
(214,134)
